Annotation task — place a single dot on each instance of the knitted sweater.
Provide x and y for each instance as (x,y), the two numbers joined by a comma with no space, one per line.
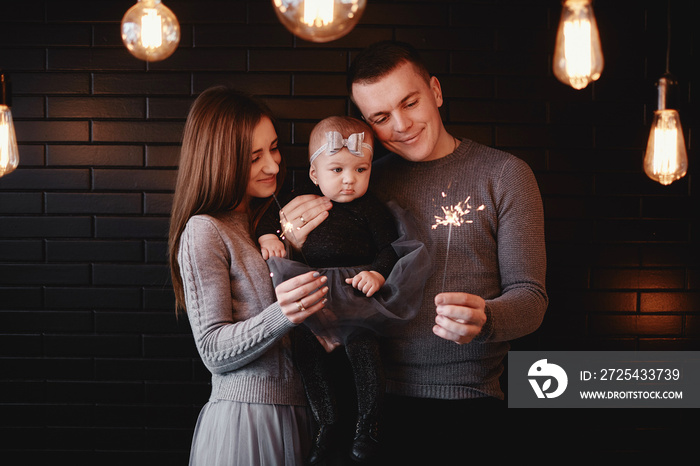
(500,257)
(238,327)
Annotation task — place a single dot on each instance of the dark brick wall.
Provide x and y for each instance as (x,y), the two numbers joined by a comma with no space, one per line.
(94,366)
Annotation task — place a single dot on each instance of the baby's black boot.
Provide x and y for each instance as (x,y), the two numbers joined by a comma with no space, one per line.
(323,445)
(365,445)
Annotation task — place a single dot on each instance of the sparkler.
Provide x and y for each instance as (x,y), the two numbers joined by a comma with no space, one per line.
(287,227)
(453,216)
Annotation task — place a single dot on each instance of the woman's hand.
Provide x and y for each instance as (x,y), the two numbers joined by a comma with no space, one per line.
(301,215)
(302,296)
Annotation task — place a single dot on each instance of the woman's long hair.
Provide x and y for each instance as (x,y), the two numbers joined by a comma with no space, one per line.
(215,161)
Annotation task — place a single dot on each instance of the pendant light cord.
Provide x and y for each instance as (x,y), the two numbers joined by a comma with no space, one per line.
(668,36)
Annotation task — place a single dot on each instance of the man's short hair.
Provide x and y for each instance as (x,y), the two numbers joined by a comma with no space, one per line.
(380,58)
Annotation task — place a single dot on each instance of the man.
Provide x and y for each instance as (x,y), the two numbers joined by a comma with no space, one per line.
(488,286)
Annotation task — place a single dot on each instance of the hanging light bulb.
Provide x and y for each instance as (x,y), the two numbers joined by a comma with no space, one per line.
(150,31)
(9,154)
(578,58)
(319,20)
(666,159)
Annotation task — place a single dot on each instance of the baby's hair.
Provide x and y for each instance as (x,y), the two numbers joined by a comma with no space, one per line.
(342,124)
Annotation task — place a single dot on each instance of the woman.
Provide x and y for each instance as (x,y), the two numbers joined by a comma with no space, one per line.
(229,168)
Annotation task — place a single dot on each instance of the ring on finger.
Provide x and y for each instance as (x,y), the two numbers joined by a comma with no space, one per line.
(303,222)
(300,306)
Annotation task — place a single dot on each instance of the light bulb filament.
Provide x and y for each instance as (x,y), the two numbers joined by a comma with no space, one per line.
(665,162)
(318,13)
(577,50)
(151,27)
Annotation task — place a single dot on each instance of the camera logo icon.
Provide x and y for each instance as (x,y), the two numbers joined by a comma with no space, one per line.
(542,373)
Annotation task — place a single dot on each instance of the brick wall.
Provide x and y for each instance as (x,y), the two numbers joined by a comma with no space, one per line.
(96,369)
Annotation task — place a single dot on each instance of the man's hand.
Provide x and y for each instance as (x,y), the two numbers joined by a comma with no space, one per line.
(271,246)
(460,316)
(369,282)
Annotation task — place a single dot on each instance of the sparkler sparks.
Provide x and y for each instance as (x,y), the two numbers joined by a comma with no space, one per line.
(287,228)
(453,216)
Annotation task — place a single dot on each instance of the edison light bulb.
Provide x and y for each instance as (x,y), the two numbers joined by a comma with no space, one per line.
(9,154)
(319,20)
(666,159)
(578,58)
(150,31)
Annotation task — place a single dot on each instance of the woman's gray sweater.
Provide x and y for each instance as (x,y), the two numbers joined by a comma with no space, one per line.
(238,327)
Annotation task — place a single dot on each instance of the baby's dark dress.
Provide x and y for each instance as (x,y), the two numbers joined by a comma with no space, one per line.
(358,235)
(355,234)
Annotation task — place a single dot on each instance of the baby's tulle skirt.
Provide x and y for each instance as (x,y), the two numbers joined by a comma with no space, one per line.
(349,310)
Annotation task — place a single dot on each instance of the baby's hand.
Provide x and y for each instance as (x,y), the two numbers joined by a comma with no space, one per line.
(271,246)
(369,282)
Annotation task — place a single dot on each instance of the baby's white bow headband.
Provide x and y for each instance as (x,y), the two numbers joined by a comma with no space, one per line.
(335,142)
